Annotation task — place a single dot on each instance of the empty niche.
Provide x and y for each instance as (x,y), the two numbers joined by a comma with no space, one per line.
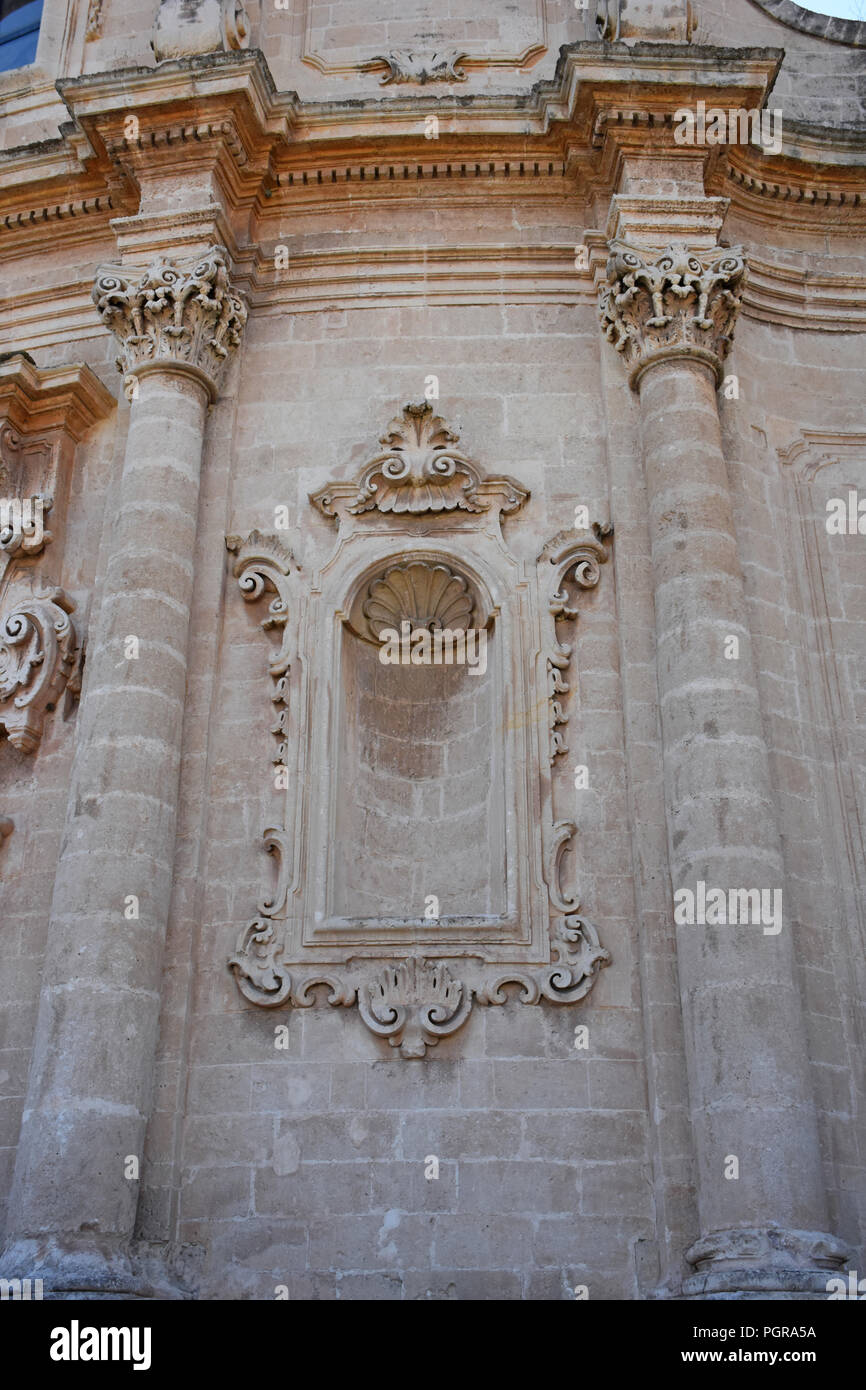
(420,816)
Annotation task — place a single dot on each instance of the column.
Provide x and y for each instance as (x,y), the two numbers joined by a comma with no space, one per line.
(73,1202)
(763,1233)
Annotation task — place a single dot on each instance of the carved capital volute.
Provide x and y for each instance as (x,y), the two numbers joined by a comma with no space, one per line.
(174,316)
(680,302)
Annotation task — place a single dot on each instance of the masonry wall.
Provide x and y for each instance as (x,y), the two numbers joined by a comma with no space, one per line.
(304,1165)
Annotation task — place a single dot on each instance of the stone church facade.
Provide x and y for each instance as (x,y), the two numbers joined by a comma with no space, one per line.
(528,964)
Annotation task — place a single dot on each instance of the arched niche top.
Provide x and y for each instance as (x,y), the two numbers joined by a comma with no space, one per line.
(425,855)
(430,590)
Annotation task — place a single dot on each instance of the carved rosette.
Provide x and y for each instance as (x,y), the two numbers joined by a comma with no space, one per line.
(185,317)
(38,657)
(674,303)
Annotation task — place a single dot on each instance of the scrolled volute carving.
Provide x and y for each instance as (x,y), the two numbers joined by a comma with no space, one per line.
(677,302)
(256,966)
(181,315)
(263,562)
(420,472)
(38,657)
(575,560)
(414,1004)
(420,68)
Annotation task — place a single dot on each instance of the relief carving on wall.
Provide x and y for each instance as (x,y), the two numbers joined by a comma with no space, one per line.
(420,68)
(675,301)
(420,471)
(38,656)
(419,544)
(187,312)
(43,413)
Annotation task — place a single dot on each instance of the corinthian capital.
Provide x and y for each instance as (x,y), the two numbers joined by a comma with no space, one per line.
(674,303)
(185,316)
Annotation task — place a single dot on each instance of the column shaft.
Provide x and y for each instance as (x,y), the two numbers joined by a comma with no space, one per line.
(761,1197)
(75,1188)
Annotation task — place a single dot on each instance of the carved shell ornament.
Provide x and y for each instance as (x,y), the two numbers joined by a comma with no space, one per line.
(427,596)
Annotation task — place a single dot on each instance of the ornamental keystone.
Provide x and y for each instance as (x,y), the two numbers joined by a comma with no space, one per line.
(181,316)
(674,303)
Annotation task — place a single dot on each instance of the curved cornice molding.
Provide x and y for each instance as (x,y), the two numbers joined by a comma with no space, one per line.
(820,26)
(221,115)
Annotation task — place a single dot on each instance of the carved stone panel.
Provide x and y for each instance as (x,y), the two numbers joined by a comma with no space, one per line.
(423,862)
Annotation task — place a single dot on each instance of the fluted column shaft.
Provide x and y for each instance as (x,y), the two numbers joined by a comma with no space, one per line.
(761,1193)
(74,1197)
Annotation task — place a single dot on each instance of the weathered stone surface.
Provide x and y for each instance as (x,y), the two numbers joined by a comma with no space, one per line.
(306,230)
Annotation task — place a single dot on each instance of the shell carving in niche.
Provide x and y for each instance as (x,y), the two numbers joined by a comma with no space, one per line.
(426,595)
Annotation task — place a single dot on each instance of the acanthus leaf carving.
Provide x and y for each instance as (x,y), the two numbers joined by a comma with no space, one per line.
(414,1004)
(185,314)
(419,473)
(677,302)
(404,66)
(576,560)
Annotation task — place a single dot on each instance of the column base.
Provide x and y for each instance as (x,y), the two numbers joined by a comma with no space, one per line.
(769,1262)
(91,1269)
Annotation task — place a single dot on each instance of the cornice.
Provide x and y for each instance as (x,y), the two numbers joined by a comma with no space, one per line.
(222,115)
(35,399)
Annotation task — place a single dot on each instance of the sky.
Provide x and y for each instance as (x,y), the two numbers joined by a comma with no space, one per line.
(843,9)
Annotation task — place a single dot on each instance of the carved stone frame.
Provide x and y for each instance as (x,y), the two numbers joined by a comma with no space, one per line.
(415,982)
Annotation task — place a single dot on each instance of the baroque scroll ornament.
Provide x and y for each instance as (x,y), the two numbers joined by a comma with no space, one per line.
(412,67)
(416,1001)
(419,543)
(38,658)
(185,315)
(677,302)
(575,565)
